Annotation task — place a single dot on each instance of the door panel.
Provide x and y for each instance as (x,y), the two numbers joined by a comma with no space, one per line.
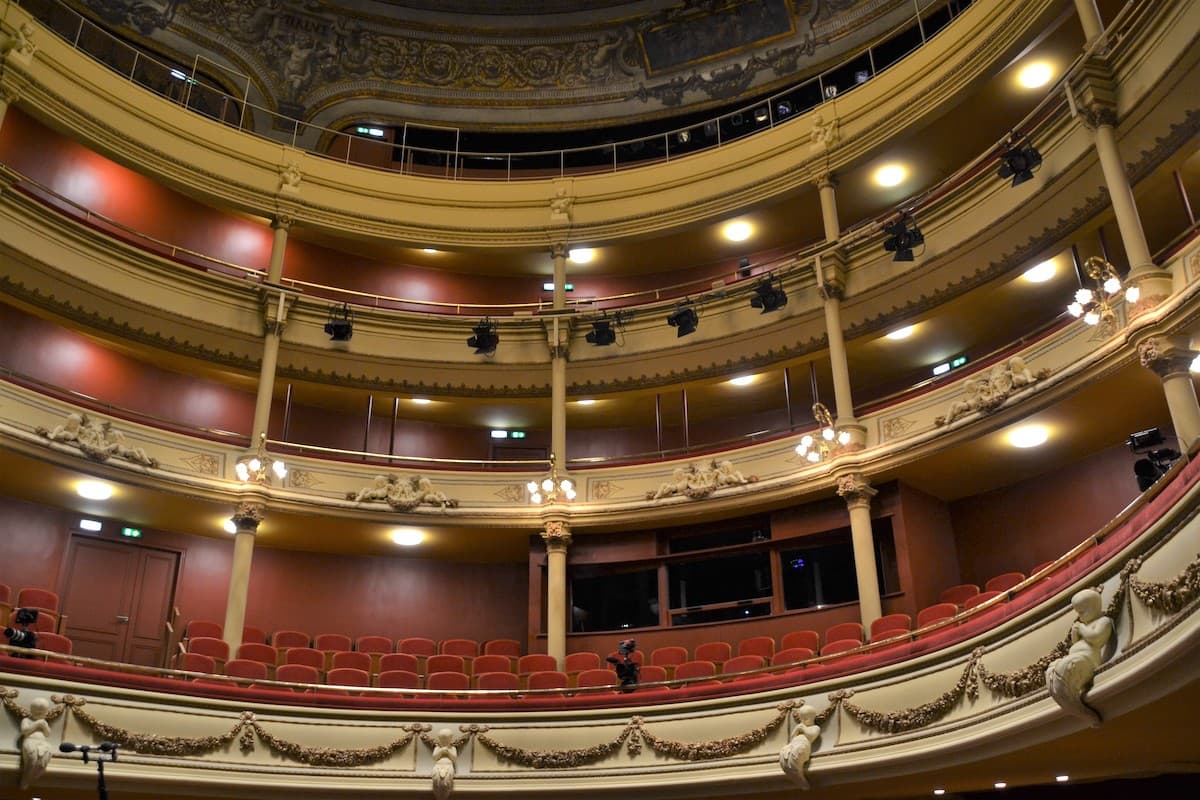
(152,603)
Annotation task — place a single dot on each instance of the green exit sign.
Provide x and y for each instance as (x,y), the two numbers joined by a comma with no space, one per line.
(132,533)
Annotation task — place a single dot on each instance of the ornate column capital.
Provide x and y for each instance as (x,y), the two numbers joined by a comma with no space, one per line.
(1165,356)
(557,535)
(283,220)
(831,274)
(1095,115)
(826,180)
(855,489)
(1093,92)
(558,250)
(247,515)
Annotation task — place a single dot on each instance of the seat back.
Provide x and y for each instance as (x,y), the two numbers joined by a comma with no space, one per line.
(399,679)
(888,633)
(196,662)
(1040,567)
(959,594)
(935,613)
(253,635)
(547,679)
(5,593)
(491,663)
(502,647)
(809,639)
(306,656)
(258,652)
(297,673)
(348,676)
(283,640)
(417,646)
(53,642)
(465,648)
(596,677)
(200,627)
(668,656)
(840,646)
(757,646)
(208,646)
(497,680)
(448,681)
(246,669)
(32,597)
(977,600)
(842,631)
(399,662)
(891,622)
(716,652)
(791,655)
(1002,583)
(744,663)
(698,668)
(444,662)
(348,659)
(536,662)
(374,644)
(578,662)
(651,673)
(331,642)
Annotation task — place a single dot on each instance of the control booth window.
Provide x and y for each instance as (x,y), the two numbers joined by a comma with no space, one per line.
(820,572)
(609,601)
(720,588)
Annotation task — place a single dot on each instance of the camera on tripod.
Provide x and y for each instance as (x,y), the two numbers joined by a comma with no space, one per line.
(22,636)
(627,669)
(1157,460)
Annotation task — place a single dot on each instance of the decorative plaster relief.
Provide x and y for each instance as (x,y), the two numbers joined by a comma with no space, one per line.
(97,440)
(1069,678)
(989,391)
(700,480)
(402,494)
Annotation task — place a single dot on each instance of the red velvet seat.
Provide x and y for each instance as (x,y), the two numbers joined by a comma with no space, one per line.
(246,669)
(418,646)
(716,652)
(399,679)
(651,673)
(843,631)
(491,663)
(809,639)
(196,662)
(1002,583)
(536,662)
(840,646)
(444,662)
(46,622)
(982,598)
(258,652)
(891,622)
(763,646)
(576,663)
(297,673)
(208,646)
(200,627)
(32,597)
(305,656)
(792,655)
(547,679)
(503,647)
(253,635)
(348,676)
(375,647)
(466,649)
(399,662)
(596,677)
(448,681)
(744,663)
(282,640)
(5,593)
(668,657)
(498,680)
(889,633)
(959,594)
(698,668)
(348,659)
(936,613)
(330,643)
(53,642)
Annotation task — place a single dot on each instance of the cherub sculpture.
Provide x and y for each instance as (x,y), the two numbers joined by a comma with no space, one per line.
(1069,678)
(795,755)
(445,758)
(35,747)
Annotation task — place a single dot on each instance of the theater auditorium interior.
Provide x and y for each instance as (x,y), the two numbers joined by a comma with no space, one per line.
(636,398)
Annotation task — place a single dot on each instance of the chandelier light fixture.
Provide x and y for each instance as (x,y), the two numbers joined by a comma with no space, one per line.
(259,468)
(552,488)
(1095,305)
(829,439)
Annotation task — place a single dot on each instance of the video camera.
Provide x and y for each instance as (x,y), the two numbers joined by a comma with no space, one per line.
(627,669)
(22,636)
(1157,460)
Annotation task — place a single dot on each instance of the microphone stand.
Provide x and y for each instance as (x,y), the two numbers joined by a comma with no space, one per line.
(97,755)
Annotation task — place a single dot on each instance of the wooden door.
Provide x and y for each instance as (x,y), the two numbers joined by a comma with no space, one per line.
(116,597)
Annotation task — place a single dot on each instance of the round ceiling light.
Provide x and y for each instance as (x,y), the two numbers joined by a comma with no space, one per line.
(407,537)
(94,490)
(1040,273)
(228,525)
(1028,436)
(428,250)
(587,402)
(1035,75)
(902,333)
(737,231)
(581,255)
(890,175)
(422,401)
(743,380)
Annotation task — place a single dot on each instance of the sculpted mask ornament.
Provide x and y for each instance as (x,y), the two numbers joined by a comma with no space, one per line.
(289,178)
(1069,678)
(795,755)
(700,480)
(561,205)
(825,134)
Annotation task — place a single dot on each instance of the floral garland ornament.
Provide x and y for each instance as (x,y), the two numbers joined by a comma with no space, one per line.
(1068,678)
(795,755)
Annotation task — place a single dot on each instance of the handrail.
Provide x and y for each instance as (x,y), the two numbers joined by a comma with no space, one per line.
(300,449)
(452,164)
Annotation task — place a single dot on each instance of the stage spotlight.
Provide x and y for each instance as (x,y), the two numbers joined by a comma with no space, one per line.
(761,114)
(783,108)
(684,319)
(602,333)
(769,295)
(340,326)
(1019,162)
(485,339)
(683,137)
(901,238)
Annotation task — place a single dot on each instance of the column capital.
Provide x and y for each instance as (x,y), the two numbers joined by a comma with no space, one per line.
(826,180)
(1165,356)
(830,267)
(855,489)
(1095,115)
(558,250)
(282,221)
(557,535)
(247,515)
(1093,91)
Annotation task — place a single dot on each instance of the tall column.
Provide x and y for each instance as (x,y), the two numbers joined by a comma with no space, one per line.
(557,536)
(829,212)
(831,276)
(558,251)
(1171,360)
(1089,18)
(246,518)
(559,340)
(857,493)
(1095,101)
(276,314)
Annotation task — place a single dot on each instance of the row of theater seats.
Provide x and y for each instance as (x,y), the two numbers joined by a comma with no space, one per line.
(45,601)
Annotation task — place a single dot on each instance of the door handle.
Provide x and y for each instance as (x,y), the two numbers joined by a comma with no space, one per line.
(122,618)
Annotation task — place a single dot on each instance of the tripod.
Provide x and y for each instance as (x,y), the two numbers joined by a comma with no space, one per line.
(97,755)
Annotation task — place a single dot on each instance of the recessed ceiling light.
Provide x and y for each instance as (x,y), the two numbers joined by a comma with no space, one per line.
(581,255)
(890,175)
(901,333)
(588,402)
(1062,778)
(407,537)
(1035,75)
(1041,272)
(94,490)
(1196,364)
(90,524)
(737,231)
(228,526)
(938,792)
(422,401)
(742,380)
(428,250)
(1001,785)
(1028,436)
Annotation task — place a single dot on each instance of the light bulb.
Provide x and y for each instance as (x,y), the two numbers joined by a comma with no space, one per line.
(827,434)
(844,437)
(566,485)
(547,485)
(1075,309)
(806,442)
(279,469)
(242,472)
(1091,318)
(814,456)
(1083,296)
(536,497)
(532,486)
(570,494)
(1132,294)
(255,465)
(1112,285)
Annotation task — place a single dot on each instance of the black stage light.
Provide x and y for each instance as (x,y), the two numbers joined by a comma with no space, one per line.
(683,137)
(744,267)
(485,339)
(769,295)
(1144,440)
(684,319)
(783,108)
(340,326)
(901,238)
(602,333)
(761,114)
(1019,162)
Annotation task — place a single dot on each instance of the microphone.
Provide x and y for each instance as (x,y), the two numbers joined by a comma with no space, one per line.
(67,747)
(107,747)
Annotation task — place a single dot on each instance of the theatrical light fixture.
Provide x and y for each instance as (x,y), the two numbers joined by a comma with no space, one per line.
(683,137)
(1028,436)
(684,319)
(94,490)
(743,380)
(585,402)
(1094,304)
(902,238)
(551,489)
(485,338)
(422,401)
(1035,75)
(830,92)
(259,467)
(229,526)
(1019,161)
(428,250)
(901,333)
(340,327)
(890,175)
(1062,778)
(761,114)
(769,295)
(783,108)
(603,332)
(829,439)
